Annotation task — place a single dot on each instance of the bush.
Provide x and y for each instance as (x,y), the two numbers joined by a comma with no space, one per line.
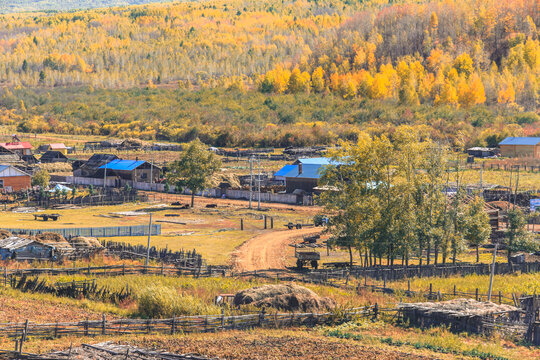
(163,302)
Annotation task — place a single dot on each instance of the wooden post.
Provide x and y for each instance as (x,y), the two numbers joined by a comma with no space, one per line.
(104,325)
(173,325)
(241,224)
(271,222)
(222,318)
(476,294)
(409,286)
(430,289)
(500,297)
(454,290)
(265,227)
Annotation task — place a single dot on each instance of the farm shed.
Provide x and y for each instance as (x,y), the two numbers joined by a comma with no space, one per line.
(91,166)
(135,170)
(23,248)
(482,152)
(20,148)
(520,147)
(13,179)
(60,147)
(53,156)
(8,156)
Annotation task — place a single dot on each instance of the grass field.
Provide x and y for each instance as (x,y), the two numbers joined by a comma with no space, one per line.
(214,233)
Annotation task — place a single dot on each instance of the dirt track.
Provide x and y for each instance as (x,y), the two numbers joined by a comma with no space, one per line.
(267,250)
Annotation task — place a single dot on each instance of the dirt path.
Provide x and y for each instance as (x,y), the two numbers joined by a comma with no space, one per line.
(267,250)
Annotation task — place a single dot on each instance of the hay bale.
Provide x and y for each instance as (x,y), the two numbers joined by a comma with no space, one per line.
(4,234)
(53,239)
(85,242)
(284,297)
(462,307)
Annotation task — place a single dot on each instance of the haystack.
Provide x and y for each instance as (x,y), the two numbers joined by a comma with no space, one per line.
(80,242)
(4,234)
(53,239)
(284,297)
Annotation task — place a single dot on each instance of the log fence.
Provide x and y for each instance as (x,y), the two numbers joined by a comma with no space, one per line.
(179,324)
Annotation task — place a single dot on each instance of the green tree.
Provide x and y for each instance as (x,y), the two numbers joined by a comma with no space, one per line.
(517,233)
(477,227)
(41,178)
(194,169)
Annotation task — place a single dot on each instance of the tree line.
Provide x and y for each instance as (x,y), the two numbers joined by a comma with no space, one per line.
(394,199)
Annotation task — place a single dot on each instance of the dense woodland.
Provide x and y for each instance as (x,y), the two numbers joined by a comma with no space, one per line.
(275,73)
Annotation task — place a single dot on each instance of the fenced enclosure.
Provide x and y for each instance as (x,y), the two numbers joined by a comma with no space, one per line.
(180,257)
(107,231)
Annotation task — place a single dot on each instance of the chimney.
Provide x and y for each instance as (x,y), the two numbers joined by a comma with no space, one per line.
(299,168)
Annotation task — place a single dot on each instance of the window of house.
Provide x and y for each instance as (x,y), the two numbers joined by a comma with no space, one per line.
(1,183)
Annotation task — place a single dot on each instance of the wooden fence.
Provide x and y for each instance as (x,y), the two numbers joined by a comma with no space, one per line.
(107,231)
(181,324)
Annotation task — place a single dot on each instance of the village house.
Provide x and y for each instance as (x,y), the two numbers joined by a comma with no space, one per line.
(53,156)
(8,156)
(520,147)
(20,147)
(60,147)
(134,170)
(13,179)
(91,166)
(24,249)
(303,174)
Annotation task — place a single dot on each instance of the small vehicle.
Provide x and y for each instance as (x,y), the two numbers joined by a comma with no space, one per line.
(46,217)
(307,257)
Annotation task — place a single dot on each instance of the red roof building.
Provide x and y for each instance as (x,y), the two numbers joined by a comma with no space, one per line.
(21,148)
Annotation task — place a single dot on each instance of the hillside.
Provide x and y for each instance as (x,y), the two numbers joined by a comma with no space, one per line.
(12,6)
(285,73)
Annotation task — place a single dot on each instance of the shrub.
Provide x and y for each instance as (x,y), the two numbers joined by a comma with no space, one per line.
(162,302)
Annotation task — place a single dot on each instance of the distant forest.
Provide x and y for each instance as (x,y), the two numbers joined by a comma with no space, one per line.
(279,72)
(11,6)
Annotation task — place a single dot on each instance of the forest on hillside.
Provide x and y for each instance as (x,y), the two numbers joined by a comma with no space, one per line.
(262,73)
(12,6)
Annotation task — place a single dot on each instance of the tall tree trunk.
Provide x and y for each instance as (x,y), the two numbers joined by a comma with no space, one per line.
(477,253)
(350,255)
(192,198)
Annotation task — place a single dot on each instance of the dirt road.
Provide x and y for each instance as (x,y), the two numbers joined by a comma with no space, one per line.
(267,250)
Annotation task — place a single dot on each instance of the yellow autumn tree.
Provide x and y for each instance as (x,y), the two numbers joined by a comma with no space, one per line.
(317,79)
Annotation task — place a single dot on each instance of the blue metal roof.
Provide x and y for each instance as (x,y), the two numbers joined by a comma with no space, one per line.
(314,161)
(309,171)
(520,141)
(286,169)
(3,167)
(119,164)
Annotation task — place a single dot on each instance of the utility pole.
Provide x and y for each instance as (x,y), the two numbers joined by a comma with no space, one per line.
(151,172)
(250,180)
(105,177)
(259,202)
(148,243)
(492,273)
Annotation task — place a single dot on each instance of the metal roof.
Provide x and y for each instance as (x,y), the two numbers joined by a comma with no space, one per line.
(8,170)
(57,146)
(119,164)
(17,145)
(14,242)
(520,141)
(286,169)
(309,171)
(314,161)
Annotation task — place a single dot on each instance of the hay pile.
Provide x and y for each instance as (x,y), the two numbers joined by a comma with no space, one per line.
(4,234)
(83,242)
(225,178)
(53,239)
(284,297)
(462,307)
